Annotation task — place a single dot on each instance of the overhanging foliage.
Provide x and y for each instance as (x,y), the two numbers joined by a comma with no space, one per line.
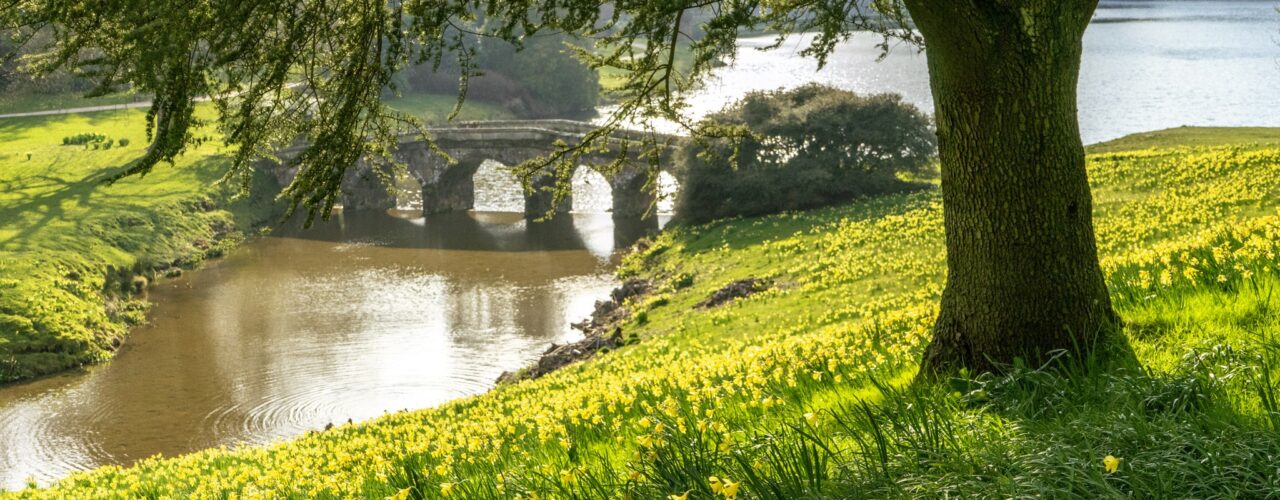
(284,70)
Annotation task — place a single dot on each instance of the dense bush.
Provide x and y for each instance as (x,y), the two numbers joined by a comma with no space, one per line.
(807,147)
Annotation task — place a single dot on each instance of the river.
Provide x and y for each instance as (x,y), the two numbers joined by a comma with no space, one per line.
(368,314)
(353,318)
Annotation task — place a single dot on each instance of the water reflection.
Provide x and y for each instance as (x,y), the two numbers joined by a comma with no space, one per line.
(355,317)
(483,231)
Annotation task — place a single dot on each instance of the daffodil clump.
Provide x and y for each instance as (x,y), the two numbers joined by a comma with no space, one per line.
(801,391)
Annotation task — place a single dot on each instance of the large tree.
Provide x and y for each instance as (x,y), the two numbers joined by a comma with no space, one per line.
(1023,278)
(1022,266)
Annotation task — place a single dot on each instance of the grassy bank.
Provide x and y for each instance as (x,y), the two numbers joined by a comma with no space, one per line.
(802,391)
(75,254)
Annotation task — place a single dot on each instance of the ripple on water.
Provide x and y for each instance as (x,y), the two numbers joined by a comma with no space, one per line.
(353,395)
(37,446)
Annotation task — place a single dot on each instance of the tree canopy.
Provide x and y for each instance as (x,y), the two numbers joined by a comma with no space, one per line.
(279,70)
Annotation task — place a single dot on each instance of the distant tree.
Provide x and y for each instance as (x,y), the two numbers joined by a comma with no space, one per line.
(560,83)
(543,78)
(1023,278)
(13,80)
(808,147)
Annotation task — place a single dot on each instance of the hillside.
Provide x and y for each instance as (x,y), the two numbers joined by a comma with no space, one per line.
(76,254)
(804,390)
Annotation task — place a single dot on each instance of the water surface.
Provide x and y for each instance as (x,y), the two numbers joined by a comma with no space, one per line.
(1147,65)
(364,315)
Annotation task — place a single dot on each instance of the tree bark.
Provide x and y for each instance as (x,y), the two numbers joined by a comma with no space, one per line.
(1023,278)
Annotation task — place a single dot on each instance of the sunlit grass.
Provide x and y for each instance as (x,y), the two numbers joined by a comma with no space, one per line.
(1190,137)
(804,390)
(70,245)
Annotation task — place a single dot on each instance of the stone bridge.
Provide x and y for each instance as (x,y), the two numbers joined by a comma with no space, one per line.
(449,187)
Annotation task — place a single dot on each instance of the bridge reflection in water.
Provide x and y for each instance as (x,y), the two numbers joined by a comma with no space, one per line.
(479,231)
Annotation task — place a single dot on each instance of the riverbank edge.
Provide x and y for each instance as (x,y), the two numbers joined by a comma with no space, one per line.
(118,293)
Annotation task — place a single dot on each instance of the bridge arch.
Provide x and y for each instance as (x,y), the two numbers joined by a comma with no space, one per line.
(450,186)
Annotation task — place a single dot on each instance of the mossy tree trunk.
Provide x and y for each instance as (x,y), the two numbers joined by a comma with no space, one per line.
(1023,278)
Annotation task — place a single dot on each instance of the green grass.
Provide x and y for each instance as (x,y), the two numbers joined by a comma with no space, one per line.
(804,391)
(1189,137)
(435,108)
(28,102)
(73,251)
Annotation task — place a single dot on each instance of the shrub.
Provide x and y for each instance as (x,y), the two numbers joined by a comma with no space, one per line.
(802,148)
(122,142)
(85,139)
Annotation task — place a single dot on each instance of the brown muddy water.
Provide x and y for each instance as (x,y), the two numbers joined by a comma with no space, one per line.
(360,316)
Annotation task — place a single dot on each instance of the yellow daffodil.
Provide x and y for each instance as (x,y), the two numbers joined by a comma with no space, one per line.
(1111,464)
(730,489)
(711,388)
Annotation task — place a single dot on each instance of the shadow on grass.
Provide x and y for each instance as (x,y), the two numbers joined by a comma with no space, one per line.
(1192,423)
(38,201)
